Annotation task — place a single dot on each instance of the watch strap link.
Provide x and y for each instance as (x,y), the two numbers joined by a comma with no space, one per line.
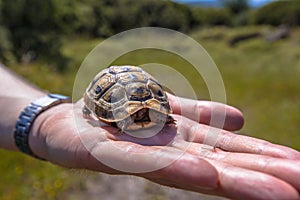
(27,117)
(23,127)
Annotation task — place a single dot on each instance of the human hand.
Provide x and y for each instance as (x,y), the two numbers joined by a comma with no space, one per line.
(239,167)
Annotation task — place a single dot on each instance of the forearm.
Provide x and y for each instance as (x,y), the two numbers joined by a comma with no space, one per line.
(15,95)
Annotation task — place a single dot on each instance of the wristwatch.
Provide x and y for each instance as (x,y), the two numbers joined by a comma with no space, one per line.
(27,117)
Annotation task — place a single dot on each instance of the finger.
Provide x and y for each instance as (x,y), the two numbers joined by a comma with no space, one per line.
(211,113)
(199,133)
(241,143)
(239,183)
(284,169)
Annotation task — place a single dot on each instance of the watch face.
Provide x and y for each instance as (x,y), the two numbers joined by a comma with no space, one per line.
(58,96)
(51,99)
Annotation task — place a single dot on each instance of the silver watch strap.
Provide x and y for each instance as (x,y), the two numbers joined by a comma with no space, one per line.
(27,117)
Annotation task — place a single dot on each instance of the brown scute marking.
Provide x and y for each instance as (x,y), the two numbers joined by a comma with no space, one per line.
(88,103)
(105,82)
(97,77)
(155,81)
(162,107)
(123,69)
(114,94)
(120,113)
(100,112)
(131,77)
(138,92)
(98,89)
(157,91)
(104,115)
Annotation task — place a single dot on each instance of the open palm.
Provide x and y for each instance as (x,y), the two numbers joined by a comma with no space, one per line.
(236,166)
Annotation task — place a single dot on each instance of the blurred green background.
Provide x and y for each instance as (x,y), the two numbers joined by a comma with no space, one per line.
(258,58)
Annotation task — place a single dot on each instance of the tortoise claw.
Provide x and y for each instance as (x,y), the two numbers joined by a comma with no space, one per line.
(86,112)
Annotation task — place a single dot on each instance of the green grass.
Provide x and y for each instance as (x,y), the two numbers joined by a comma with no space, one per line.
(262,79)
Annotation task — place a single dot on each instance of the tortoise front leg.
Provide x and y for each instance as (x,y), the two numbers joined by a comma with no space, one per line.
(86,112)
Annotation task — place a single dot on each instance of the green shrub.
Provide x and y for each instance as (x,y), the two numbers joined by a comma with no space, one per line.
(36,27)
(241,19)
(277,13)
(6,55)
(236,6)
(128,14)
(212,16)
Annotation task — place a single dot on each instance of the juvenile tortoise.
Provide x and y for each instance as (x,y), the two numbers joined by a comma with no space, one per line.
(128,98)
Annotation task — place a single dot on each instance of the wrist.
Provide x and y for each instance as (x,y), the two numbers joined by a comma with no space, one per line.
(28,117)
(11,107)
(41,131)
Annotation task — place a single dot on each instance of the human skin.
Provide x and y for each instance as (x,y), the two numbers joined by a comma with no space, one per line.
(237,166)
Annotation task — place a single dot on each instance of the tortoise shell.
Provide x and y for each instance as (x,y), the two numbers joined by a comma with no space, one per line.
(127,97)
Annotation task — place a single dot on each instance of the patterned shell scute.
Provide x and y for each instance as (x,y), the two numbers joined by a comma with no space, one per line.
(120,91)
